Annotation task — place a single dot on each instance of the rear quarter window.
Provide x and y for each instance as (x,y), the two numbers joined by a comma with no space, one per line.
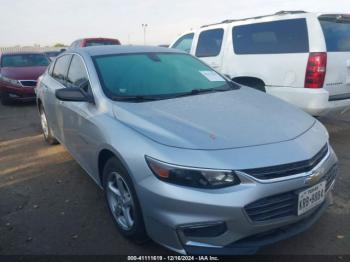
(337,34)
(277,37)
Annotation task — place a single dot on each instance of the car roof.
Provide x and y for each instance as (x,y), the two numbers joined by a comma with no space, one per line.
(281,15)
(95,38)
(121,49)
(98,38)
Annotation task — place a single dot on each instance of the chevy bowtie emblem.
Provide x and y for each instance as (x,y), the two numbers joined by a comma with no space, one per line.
(315,176)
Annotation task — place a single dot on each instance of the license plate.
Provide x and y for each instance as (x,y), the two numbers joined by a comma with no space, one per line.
(311,197)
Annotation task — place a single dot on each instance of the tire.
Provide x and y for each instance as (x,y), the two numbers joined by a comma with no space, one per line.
(49,138)
(125,211)
(5,99)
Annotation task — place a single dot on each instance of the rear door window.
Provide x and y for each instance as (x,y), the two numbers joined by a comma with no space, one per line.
(278,37)
(60,69)
(336,31)
(184,43)
(209,43)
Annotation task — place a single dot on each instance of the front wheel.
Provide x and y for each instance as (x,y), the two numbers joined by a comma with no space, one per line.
(5,99)
(122,201)
(49,138)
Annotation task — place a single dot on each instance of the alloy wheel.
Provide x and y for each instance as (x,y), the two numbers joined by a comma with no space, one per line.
(120,201)
(44,125)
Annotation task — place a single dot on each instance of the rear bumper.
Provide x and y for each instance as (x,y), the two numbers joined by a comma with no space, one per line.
(316,102)
(18,93)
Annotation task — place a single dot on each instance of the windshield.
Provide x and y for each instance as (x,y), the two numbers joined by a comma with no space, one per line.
(155,74)
(101,42)
(24,60)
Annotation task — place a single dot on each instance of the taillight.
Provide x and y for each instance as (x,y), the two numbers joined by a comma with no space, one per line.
(316,70)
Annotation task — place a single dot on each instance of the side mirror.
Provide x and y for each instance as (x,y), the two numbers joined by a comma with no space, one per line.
(73,94)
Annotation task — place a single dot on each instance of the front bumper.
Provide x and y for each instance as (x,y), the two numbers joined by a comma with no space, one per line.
(314,101)
(252,244)
(18,93)
(169,209)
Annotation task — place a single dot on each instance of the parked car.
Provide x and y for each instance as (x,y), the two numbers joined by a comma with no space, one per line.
(19,72)
(94,42)
(302,58)
(196,162)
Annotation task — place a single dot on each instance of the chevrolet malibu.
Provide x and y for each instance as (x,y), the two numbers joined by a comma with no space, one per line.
(197,163)
(19,72)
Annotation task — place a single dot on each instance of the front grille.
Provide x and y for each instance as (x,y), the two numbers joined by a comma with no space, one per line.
(28,83)
(277,233)
(281,205)
(276,206)
(330,177)
(288,169)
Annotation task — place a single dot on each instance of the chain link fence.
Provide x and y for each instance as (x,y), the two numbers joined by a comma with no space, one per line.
(30,49)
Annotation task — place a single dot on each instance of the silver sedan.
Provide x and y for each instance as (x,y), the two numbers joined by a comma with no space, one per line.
(186,157)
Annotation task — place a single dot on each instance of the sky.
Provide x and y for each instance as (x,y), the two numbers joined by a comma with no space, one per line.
(46,22)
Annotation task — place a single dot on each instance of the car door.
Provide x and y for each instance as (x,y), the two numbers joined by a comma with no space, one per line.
(81,134)
(209,47)
(56,80)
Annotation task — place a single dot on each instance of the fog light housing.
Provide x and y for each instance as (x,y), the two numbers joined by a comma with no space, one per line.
(206,230)
(201,233)
(11,95)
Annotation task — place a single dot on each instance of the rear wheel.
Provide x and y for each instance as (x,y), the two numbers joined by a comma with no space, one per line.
(251,82)
(49,138)
(122,201)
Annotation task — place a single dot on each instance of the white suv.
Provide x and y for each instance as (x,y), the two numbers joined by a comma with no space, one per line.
(303,58)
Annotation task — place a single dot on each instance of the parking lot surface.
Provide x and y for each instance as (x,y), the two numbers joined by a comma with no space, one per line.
(48,205)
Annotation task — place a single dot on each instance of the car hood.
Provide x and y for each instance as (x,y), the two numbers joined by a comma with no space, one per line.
(23,73)
(231,119)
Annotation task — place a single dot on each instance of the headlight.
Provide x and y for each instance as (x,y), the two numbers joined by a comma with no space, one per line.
(10,81)
(193,177)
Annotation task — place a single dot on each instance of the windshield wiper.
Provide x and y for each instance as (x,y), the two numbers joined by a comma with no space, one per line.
(195,91)
(198,91)
(135,98)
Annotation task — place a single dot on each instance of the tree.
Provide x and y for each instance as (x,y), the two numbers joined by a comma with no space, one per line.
(59,45)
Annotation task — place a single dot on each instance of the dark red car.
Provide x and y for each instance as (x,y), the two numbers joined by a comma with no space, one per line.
(19,73)
(94,42)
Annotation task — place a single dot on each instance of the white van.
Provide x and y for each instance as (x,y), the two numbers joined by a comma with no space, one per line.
(303,58)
